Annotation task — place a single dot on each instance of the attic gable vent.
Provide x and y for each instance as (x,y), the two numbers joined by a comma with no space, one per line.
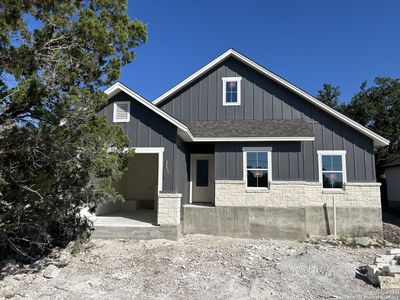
(121,111)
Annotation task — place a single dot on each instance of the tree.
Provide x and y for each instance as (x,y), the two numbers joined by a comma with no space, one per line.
(378,108)
(54,149)
(329,95)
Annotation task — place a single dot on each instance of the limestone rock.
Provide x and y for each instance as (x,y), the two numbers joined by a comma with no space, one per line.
(395,251)
(51,272)
(363,241)
(388,282)
(8,294)
(384,258)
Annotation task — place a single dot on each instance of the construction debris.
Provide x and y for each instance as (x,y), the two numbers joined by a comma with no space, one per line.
(385,272)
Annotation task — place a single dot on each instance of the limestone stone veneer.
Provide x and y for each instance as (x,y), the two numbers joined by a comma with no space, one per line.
(169,209)
(296,194)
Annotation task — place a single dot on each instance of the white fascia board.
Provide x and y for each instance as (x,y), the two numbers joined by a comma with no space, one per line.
(378,140)
(193,76)
(118,87)
(252,139)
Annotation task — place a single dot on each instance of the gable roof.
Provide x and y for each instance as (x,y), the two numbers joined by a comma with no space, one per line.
(378,140)
(186,133)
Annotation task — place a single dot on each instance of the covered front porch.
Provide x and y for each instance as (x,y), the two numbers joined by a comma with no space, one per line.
(145,212)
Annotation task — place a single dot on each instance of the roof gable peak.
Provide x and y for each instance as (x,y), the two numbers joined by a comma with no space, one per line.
(378,140)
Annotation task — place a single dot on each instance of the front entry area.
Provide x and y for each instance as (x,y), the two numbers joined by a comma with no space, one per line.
(202,178)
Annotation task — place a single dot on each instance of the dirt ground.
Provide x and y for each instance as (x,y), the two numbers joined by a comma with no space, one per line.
(199,267)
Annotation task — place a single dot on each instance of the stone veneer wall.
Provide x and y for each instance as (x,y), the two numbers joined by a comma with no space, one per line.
(169,209)
(296,194)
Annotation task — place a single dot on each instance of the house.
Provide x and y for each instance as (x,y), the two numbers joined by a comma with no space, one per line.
(392,174)
(236,150)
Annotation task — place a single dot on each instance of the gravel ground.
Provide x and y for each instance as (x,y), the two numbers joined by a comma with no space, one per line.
(198,267)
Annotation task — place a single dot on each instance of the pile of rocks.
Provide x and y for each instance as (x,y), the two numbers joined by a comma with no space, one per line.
(386,270)
(359,242)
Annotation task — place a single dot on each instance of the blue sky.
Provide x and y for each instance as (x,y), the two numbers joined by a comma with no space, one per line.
(342,42)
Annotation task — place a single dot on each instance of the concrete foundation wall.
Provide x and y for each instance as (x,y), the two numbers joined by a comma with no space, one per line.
(281,223)
(137,233)
(288,210)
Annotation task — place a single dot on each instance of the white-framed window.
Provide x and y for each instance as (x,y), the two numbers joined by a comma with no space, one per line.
(257,167)
(332,168)
(121,111)
(231,91)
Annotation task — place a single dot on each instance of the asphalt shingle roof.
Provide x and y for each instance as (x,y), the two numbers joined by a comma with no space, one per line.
(250,128)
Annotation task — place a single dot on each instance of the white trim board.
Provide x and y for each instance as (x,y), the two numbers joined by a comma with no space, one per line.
(252,139)
(378,140)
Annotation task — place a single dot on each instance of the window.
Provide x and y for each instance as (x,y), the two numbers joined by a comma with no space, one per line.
(256,167)
(231,91)
(121,111)
(332,169)
(202,172)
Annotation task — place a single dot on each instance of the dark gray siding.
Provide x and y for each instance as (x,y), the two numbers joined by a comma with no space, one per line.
(147,129)
(262,98)
(290,161)
(182,169)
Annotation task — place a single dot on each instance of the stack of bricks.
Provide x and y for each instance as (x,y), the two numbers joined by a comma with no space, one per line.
(386,270)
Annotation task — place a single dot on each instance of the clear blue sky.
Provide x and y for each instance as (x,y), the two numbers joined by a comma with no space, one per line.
(342,42)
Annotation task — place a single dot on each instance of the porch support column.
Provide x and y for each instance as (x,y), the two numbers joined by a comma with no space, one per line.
(169,209)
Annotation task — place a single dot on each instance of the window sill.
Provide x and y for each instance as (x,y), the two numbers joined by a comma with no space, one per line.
(333,191)
(231,104)
(257,190)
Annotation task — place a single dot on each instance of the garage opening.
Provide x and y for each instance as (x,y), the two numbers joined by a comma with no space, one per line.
(139,187)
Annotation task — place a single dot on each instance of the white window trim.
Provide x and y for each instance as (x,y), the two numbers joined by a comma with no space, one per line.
(115,120)
(344,169)
(237,80)
(269,155)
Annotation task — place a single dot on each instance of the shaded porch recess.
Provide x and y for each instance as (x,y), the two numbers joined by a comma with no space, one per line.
(139,188)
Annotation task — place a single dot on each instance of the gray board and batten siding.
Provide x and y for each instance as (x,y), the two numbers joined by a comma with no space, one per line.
(264,99)
(147,129)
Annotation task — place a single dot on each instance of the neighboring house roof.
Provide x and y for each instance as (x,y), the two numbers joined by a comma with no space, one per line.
(393,163)
(378,140)
(185,132)
(273,129)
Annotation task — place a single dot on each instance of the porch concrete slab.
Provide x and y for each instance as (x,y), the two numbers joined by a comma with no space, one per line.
(138,218)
